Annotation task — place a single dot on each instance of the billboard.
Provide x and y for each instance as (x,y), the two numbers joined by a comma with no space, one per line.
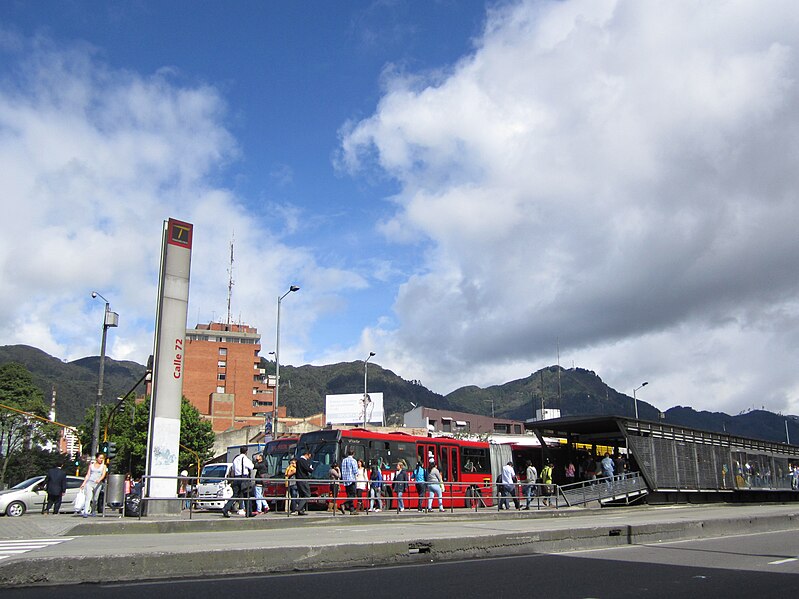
(349,408)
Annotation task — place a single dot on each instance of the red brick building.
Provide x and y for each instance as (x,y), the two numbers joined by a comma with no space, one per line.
(223,377)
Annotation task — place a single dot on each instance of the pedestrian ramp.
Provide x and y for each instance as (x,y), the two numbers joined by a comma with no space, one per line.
(615,489)
(17,547)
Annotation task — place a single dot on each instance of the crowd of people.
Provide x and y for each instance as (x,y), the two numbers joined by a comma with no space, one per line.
(356,486)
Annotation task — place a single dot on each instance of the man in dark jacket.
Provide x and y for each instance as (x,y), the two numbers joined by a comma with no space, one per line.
(304,472)
(55,483)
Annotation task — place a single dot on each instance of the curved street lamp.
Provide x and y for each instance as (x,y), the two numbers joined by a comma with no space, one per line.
(292,289)
(110,319)
(635,399)
(366,399)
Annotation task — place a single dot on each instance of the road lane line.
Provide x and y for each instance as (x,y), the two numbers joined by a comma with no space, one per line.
(783,561)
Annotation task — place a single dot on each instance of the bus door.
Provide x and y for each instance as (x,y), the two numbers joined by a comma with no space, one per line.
(450,469)
(424,452)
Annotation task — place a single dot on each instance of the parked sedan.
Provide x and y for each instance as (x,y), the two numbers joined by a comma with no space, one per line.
(31,495)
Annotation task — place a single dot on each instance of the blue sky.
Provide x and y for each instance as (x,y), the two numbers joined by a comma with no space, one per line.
(461,187)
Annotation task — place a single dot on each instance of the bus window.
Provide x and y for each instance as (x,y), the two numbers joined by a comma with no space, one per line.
(380,454)
(358,451)
(475,460)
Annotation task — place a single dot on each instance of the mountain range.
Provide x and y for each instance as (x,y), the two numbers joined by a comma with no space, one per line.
(575,391)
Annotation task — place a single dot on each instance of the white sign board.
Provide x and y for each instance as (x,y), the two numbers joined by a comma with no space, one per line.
(349,408)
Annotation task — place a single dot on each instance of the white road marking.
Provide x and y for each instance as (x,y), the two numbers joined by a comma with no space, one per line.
(783,561)
(10,548)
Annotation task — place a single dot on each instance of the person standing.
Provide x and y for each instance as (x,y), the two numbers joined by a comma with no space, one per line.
(546,480)
(291,485)
(349,474)
(241,471)
(55,484)
(94,477)
(569,472)
(419,476)
(434,484)
(375,489)
(335,481)
(400,484)
(362,480)
(304,473)
(607,470)
(261,469)
(531,475)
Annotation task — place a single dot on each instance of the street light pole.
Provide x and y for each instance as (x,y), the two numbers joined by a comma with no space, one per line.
(635,399)
(277,362)
(110,319)
(365,394)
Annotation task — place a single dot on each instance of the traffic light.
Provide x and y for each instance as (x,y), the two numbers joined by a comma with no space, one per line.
(111,449)
(104,448)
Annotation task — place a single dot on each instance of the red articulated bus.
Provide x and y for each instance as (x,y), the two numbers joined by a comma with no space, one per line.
(467,467)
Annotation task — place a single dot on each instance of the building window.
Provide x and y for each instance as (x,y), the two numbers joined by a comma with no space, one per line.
(222,351)
(220,376)
(517,429)
(221,364)
(501,427)
(220,389)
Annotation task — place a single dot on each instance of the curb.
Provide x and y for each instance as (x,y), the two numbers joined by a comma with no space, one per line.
(156,565)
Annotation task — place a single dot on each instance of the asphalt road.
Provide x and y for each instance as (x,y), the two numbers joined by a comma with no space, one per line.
(747,566)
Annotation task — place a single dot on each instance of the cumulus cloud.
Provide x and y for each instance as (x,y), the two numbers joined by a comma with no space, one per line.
(94,160)
(615,177)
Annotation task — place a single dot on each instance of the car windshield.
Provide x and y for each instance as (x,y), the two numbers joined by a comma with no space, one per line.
(27,483)
(214,474)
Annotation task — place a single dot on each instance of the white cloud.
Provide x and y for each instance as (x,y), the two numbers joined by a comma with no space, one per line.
(619,177)
(95,160)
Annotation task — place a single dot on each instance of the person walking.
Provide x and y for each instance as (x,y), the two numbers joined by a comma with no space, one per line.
(508,486)
(419,476)
(434,484)
(240,472)
(94,478)
(349,474)
(55,484)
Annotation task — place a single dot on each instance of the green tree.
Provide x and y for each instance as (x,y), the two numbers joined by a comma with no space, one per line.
(130,428)
(19,431)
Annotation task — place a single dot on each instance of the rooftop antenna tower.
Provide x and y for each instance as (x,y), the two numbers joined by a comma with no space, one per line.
(230,282)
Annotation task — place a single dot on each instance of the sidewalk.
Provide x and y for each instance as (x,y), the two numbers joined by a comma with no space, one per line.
(104,549)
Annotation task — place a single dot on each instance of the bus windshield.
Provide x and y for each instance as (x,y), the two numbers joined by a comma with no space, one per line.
(277,455)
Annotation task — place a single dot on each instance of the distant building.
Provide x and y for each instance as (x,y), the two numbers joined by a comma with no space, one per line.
(448,421)
(223,377)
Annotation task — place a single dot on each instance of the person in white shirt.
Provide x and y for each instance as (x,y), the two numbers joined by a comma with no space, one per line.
(531,474)
(241,469)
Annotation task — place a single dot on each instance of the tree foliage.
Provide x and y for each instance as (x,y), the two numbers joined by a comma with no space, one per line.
(19,431)
(130,427)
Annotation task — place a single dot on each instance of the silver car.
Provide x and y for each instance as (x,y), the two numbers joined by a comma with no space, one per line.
(31,495)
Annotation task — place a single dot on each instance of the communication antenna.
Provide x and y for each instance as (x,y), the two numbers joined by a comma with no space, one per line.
(230,282)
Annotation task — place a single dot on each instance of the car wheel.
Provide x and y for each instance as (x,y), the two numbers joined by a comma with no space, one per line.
(15,508)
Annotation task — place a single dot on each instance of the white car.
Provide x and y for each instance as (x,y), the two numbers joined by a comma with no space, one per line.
(213,490)
(30,495)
